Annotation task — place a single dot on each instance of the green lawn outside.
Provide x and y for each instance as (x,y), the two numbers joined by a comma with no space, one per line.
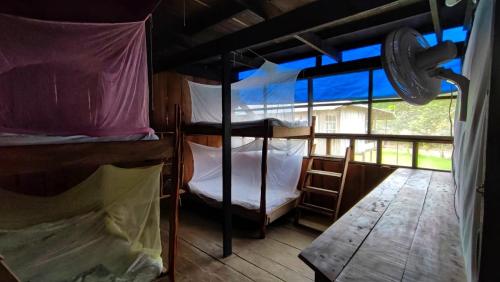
(391,157)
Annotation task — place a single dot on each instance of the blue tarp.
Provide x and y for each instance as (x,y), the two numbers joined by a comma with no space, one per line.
(339,87)
(354,86)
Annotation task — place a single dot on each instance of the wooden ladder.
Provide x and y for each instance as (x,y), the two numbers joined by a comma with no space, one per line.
(330,214)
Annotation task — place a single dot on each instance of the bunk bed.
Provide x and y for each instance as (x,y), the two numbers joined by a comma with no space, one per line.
(274,88)
(84,110)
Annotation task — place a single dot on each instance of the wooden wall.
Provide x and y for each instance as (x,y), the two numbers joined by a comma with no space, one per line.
(169,89)
(361,179)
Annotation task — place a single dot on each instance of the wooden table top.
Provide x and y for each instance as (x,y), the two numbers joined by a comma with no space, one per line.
(406,229)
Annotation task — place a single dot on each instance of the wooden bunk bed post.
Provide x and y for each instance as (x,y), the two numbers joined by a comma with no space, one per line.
(263,182)
(174,196)
(226,155)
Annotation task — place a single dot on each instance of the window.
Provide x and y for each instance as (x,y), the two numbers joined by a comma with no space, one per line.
(341,87)
(300,64)
(361,53)
(455,34)
(301,92)
(401,118)
(397,153)
(341,105)
(348,118)
(330,147)
(338,146)
(365,151)
(327,60)
(319,147)
(330,123)
(434,156)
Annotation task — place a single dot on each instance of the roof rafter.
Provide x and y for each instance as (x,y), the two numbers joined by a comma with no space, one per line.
(316,43)
(297,21)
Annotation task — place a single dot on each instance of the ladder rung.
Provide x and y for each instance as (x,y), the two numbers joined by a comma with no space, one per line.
(317,209)
(321,191)
(324,173)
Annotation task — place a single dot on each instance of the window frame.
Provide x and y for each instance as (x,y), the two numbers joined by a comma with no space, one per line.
(414,140)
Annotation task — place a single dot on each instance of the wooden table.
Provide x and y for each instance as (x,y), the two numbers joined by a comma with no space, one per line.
(406,229)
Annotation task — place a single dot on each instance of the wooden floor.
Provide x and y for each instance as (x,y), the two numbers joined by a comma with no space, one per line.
(272,259)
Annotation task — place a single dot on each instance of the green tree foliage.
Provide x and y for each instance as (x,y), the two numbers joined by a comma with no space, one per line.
(431,119)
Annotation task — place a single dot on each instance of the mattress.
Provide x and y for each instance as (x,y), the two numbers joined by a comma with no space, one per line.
(8,139)
(284,163)
(242,194)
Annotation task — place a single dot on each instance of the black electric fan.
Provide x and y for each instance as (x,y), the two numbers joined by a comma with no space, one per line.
(413,68)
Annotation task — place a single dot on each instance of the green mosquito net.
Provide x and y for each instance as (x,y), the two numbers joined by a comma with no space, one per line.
(104,229)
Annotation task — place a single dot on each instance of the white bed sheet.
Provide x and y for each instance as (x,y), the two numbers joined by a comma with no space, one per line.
(9,139)
(283,172)
(242,194)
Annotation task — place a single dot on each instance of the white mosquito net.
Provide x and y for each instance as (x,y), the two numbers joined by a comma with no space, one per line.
(284,163)
(268,93)
(104,229)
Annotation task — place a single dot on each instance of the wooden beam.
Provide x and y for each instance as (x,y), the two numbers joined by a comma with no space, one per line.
(212,16)
(227,235)
(255,7)
(370,30)
(318,14)
(435,20)
(41,158)
(242,60)
(315,42)
(202,71)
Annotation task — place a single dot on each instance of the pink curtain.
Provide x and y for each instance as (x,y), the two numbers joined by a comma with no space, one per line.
(60,78)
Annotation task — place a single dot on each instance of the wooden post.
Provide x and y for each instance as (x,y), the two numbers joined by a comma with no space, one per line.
(226,155)
(370,102)
(379,151)
(263,182)
(490,245)
(174,196)
(309,100)
(414,159)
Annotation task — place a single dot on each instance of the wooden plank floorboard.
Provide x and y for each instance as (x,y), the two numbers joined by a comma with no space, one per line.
(195,265)
(298,239)
(271,259)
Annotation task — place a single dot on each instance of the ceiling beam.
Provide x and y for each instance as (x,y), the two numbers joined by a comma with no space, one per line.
(316,43)
(255,7)
(321,13)
(402,15)
(242,60)
(212,16)
(370,30)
